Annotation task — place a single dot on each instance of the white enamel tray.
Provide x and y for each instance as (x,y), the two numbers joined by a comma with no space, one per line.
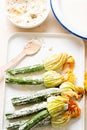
(52,43)
(72,15)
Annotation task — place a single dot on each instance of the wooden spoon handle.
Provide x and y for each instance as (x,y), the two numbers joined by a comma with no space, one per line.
(11,63)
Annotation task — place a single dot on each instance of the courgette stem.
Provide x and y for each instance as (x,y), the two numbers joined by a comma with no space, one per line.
(24,70)
(25,81)
(33,121)
(39,96)
(17,124)
(26,111)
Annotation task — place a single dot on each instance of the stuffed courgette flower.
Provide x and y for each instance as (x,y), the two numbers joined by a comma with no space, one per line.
(85,81)
(69,76)
(69,62)
(49,79)
(65,89)
(59,109)
(55,61)
(54,105)
(70,90)
(72,111)
(52,62)
(52,78)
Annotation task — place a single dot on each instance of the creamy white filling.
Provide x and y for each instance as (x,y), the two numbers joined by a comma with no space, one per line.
(27,12)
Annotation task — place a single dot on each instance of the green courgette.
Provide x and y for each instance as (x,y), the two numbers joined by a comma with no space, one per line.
(27,111)
(17,124)
(35,120)
(24,80)
(39,96)
(28,69)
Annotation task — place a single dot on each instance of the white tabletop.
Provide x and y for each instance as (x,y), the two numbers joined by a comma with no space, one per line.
(7,29)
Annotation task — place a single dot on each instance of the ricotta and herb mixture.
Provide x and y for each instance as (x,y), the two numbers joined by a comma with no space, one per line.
(27,12)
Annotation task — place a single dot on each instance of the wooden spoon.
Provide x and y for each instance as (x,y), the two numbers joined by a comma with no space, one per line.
(31,48)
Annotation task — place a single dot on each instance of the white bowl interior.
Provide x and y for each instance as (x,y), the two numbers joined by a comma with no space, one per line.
(40,21)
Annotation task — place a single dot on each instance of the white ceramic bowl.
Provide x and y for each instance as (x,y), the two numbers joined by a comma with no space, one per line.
(32,23)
